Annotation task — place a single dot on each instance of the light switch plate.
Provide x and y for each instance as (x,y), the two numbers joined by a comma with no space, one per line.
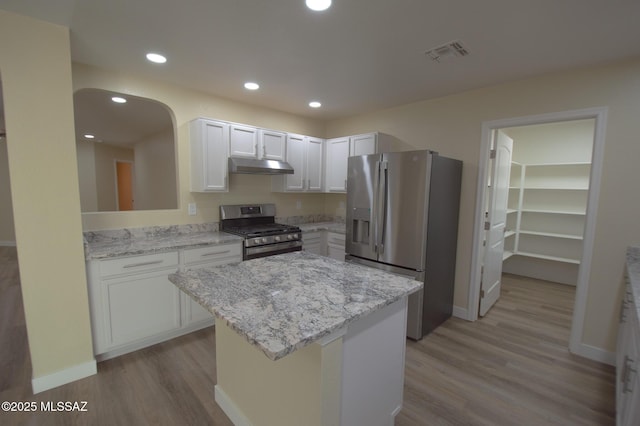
(192,209)
(298,205)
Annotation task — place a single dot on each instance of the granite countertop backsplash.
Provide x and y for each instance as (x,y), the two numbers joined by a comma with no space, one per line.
(112,243)
(156,239)
(283,303)
(633,275)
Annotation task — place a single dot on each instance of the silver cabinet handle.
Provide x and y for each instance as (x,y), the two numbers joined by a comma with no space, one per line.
(214,253)
(627,370)
(264,151)
(623,312)
(136,265)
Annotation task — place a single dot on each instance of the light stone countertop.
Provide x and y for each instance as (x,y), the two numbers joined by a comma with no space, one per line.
(138,241)
(283,303)
(337,227)
(633,275)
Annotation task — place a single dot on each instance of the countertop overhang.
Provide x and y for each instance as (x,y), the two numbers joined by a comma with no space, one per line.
(283,303)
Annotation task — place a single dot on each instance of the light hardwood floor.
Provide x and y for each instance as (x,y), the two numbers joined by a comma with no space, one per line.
(510,368)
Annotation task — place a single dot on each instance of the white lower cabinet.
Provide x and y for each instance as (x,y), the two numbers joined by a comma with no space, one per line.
(335,245)
(203,257)
(134,305)
(325,243)
(313,242)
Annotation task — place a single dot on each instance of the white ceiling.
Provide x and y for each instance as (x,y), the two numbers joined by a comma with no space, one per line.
(358,56)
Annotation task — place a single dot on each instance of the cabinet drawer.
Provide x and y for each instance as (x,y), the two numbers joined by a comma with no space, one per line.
(213,254)
(336,239)
(136,264)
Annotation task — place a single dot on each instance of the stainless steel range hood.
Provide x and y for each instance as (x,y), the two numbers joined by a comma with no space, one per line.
(259,167)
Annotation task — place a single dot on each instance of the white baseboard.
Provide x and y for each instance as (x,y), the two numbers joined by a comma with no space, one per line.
(229,407)
(594,354)
(68,375)
(462,313)
(7,243)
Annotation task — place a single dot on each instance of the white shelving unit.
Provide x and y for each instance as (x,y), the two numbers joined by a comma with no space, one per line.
(545,220)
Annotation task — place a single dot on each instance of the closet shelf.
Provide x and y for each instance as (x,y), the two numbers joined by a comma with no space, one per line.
(545,257)
(552,234)
(546,211)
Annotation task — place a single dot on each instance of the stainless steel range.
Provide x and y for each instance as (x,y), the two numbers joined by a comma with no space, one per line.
(262,235)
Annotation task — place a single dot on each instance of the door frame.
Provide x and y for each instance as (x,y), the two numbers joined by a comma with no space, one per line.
(600,115)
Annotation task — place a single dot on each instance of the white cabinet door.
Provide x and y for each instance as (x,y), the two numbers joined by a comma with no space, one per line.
(295,157)
(272,145)
(139,307)
(336,245)
(336,170)
(315,148)
(313,242)
(243,141)
(203,257)
(209,152)
(363,144)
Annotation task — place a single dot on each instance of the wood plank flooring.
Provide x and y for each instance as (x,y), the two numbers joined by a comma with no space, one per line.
(510,368)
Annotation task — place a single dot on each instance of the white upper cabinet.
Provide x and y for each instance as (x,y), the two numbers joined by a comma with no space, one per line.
(363,144)
(251,142)
(295,157)
(304,154)
(314,152)
(336,164)
(209,151)
(272,145)
(243,141)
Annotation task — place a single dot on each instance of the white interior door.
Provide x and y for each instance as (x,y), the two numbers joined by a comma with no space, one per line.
(496,221)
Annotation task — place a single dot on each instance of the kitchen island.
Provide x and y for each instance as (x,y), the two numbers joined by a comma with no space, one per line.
(305,339)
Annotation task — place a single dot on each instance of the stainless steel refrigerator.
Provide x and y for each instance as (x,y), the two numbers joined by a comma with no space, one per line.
(402,217)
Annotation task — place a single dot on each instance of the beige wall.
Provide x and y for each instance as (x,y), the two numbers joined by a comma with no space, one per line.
(7,235)
(35,65)
(185,106)
(452,125)
(155,172)
(567,142)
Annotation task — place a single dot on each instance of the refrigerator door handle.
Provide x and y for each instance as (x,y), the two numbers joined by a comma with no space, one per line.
(382,202)
(373,236)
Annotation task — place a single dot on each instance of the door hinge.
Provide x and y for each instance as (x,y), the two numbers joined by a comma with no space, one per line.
(492,154)
(487,226)
(481,294)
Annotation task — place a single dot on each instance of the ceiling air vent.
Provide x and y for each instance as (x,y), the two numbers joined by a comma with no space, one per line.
(451,49)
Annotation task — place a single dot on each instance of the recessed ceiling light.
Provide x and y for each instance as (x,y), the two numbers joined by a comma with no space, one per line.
(315,104)
(156,58)
(249,85)
(318,5)
(89,136)
(119,100)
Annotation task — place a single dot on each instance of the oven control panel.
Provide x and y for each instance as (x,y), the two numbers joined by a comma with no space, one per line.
(271,239)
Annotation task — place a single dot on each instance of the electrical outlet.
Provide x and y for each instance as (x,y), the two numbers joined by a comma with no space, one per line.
(298,204)
(192,209)
(342,204)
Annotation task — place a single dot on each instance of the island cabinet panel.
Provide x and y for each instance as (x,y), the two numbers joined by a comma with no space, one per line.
(373,367)
(354,376)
